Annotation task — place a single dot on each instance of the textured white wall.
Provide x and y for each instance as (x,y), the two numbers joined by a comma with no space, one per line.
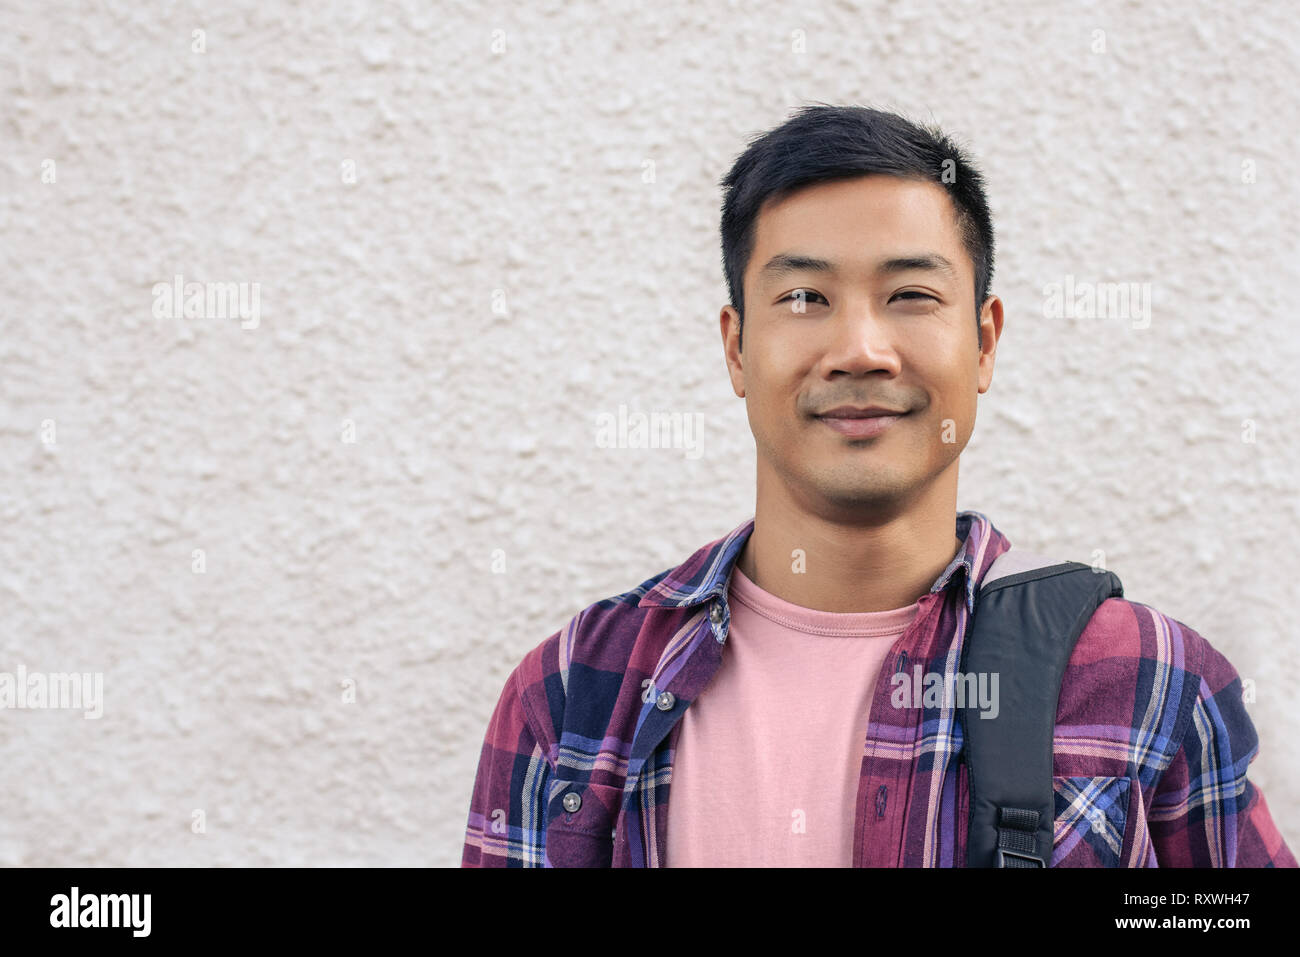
(517,175)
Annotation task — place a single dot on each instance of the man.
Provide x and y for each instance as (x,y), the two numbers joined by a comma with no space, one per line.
(741,709)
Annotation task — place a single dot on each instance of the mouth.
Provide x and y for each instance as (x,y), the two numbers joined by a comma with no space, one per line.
(860,425)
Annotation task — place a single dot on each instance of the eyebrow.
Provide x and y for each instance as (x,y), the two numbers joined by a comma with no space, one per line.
(782,264)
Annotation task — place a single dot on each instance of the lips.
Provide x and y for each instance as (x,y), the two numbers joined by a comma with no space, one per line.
(858,412)
(859,423)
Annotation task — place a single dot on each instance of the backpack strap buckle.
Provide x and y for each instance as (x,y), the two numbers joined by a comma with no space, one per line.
(1017,838)
(1007,858)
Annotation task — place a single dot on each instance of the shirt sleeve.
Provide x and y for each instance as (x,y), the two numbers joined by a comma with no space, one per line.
(1205,812)
(507,810)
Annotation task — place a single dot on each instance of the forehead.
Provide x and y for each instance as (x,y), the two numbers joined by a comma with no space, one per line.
(860,220)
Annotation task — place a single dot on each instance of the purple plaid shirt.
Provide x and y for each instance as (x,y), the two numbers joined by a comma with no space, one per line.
(1152,739)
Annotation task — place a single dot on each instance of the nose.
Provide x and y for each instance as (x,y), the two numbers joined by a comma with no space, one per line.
(859,342)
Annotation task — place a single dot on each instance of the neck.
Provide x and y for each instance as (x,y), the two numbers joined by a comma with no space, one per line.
(851,561)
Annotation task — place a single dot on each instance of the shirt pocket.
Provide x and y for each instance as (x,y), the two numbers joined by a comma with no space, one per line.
(1092,821)
(585,837)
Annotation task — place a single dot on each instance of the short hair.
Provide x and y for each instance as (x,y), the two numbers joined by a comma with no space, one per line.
(821,143)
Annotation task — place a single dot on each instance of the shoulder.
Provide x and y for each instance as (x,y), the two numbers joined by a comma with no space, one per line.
(603,636)
(1144,674)
(1121,628)
(585,660)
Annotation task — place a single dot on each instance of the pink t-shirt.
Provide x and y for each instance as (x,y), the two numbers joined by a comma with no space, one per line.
(789,704)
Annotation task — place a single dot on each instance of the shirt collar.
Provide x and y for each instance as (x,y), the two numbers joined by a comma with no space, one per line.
(704,576)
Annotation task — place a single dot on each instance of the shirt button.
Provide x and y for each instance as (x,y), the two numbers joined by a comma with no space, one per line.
(572,801)
(666,701)
(715,614)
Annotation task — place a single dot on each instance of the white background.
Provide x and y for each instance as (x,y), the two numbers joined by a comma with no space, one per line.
(570,176)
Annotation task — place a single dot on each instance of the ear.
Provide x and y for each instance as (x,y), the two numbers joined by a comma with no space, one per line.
(729,323)
(990,333)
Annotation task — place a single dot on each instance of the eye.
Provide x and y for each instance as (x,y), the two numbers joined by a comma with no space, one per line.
(913,292)
(808,293)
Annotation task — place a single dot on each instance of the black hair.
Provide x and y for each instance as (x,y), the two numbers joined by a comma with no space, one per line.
(824,142)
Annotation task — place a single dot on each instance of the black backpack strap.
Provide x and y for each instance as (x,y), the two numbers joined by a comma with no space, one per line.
(1029,613)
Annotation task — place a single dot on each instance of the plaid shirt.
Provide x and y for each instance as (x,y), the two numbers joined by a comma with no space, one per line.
(1152,738)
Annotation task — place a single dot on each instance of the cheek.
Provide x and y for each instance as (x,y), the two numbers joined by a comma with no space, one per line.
(951,394)
(770,383)
(773,412)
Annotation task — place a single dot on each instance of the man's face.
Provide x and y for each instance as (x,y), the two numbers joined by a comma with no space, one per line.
(888,320)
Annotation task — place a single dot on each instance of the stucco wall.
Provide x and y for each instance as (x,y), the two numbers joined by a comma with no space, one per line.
(472,229)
